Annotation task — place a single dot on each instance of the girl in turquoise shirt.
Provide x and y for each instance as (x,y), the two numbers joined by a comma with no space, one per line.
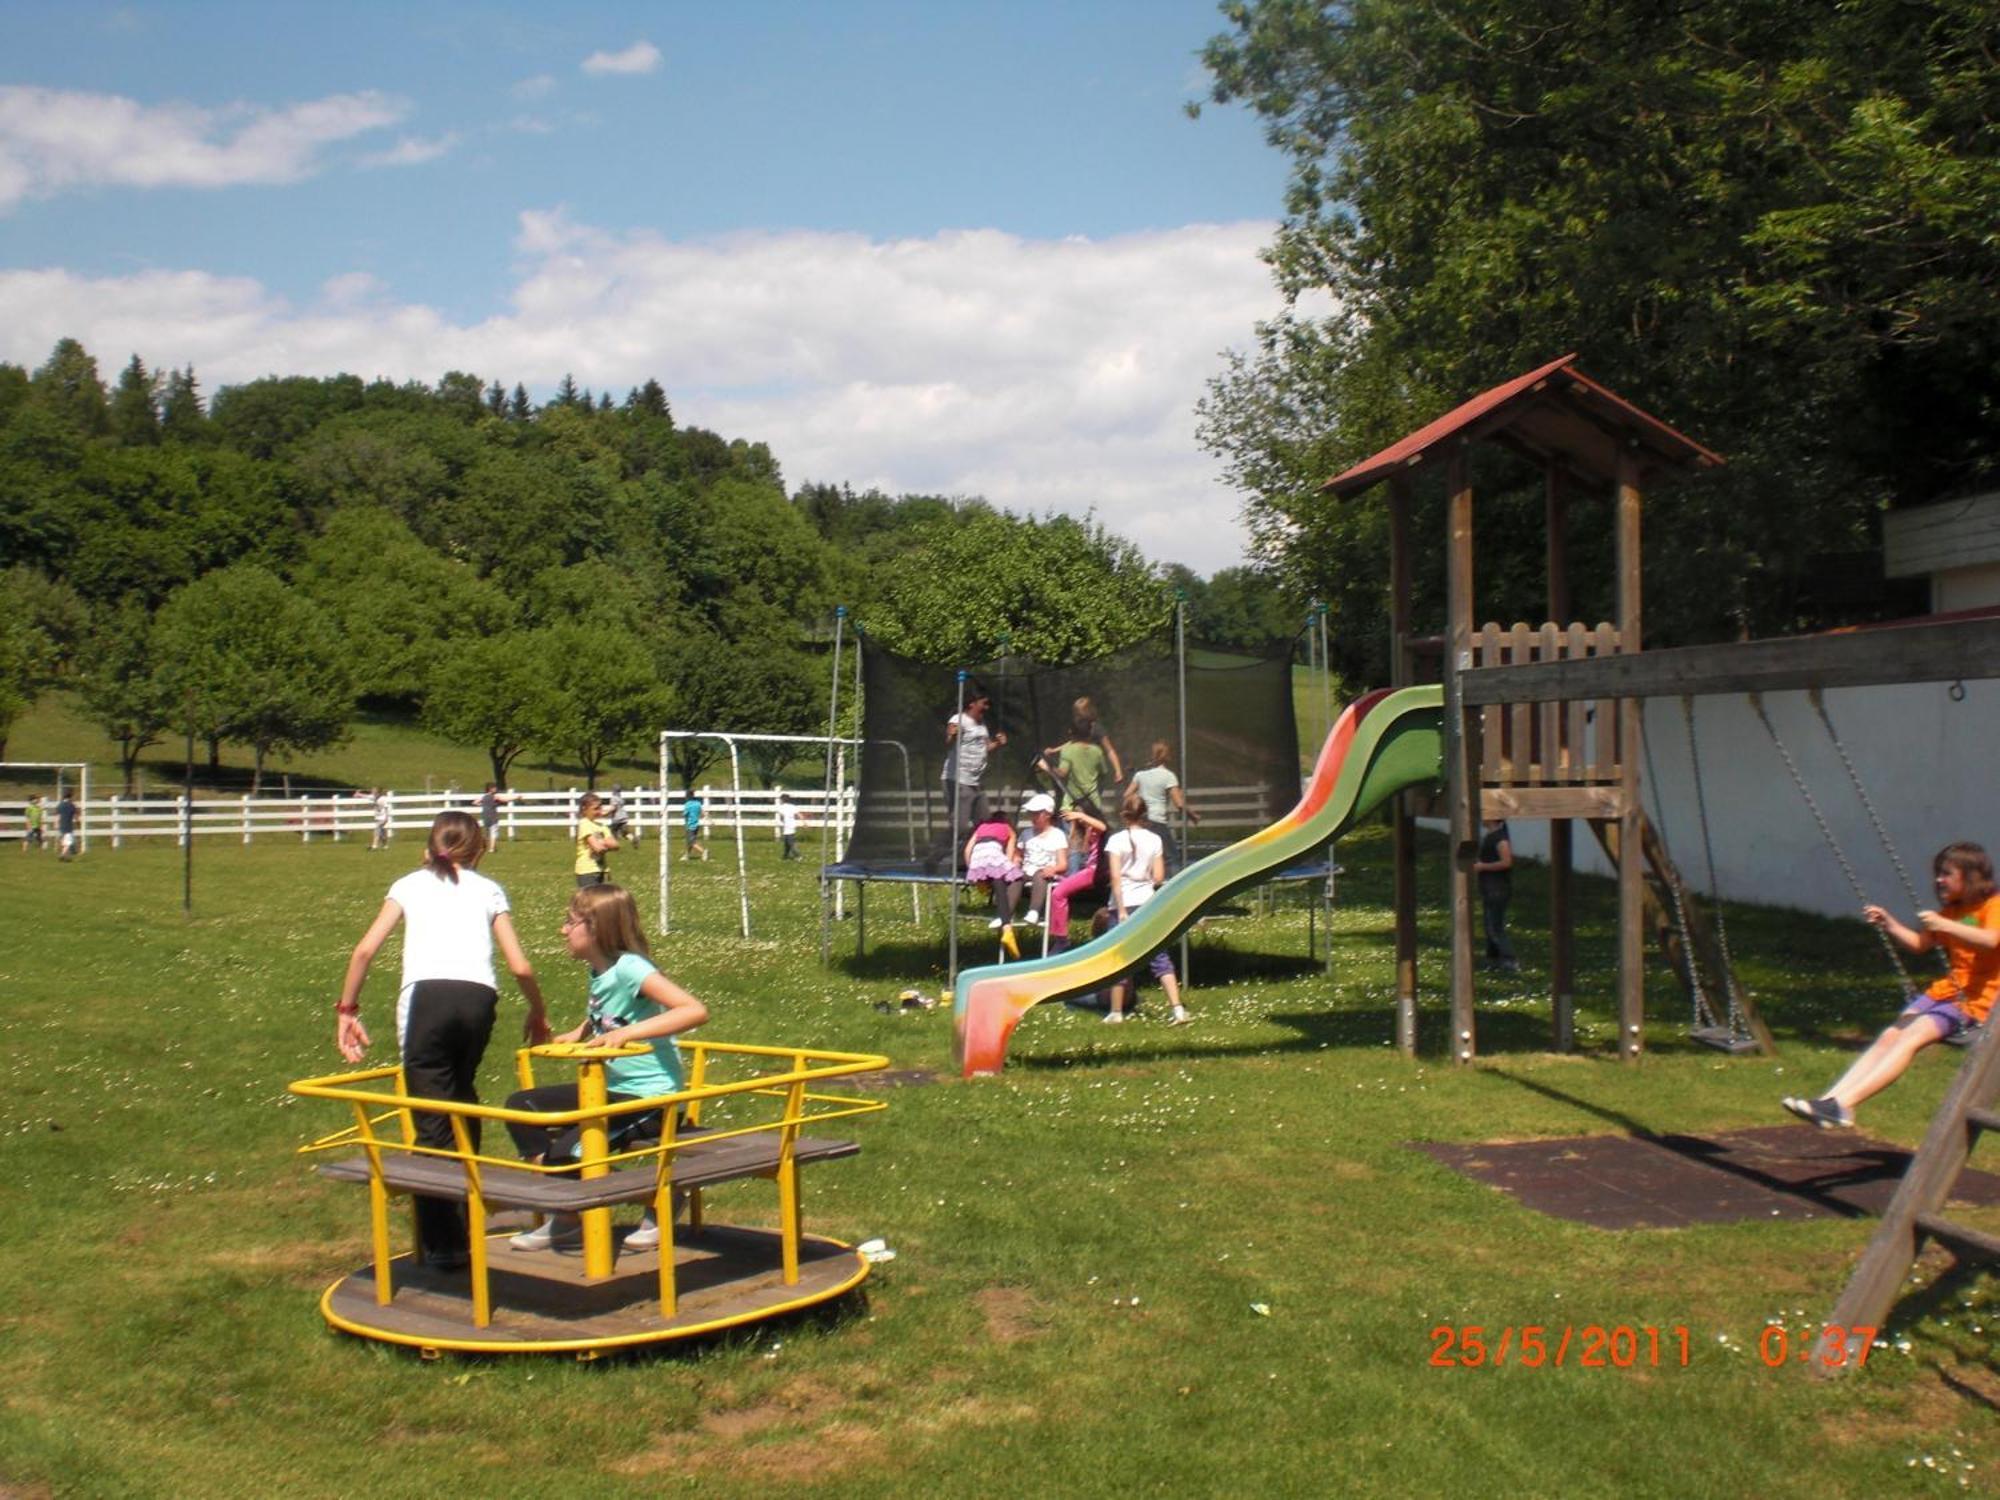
(630,1001)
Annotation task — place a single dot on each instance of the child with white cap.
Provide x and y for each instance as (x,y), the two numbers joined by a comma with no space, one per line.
(1044,854)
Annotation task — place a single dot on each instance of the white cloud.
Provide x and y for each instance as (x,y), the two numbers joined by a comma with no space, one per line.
(640,57)
(412,151)
(1038,373)
(53,140)
(538,87)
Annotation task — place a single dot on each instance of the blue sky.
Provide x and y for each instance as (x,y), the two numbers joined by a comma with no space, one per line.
(976,248)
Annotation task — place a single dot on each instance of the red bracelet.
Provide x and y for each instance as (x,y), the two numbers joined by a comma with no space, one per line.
(347,1010)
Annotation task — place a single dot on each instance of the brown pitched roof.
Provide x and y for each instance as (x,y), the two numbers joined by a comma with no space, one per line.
(1556,412)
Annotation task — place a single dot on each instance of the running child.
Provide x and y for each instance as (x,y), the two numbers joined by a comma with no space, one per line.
(691,822)
(788,825)
(444,1009)
(630,1001)
(1967,927)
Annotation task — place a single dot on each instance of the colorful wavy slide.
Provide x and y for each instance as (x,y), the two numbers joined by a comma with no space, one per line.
(1382,744)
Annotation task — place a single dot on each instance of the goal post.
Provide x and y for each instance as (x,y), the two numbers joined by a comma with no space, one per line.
(21,780)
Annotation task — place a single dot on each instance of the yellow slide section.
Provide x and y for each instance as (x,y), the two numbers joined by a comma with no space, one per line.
(1383,744)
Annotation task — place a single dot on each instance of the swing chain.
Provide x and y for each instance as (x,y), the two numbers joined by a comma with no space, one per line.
(1738,1030)
(1704,1013)
(1826,832)
(1818,700)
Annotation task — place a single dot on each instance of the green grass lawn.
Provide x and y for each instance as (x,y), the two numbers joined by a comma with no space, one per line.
(1084,1245)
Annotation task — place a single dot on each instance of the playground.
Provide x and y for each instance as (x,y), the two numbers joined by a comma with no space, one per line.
(1203,1257)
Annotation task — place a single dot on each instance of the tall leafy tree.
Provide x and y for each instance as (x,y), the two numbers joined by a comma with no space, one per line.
(1054,587)
(493,692)
(397,602)
(68,387)
(604,696)
(249,659)
(124,688)
(1767,223)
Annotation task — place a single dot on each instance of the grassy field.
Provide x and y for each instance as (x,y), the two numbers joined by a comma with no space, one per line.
(1190,1262)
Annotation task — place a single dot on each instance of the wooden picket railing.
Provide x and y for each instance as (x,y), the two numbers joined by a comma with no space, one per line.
(1572,743)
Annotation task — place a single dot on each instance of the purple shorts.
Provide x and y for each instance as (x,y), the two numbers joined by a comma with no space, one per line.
(1161,963)
(1950,1019)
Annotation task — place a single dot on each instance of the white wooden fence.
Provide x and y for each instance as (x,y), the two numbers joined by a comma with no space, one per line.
(336,816)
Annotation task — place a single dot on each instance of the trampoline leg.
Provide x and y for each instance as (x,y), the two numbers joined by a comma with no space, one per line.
(861,918)
(825,933)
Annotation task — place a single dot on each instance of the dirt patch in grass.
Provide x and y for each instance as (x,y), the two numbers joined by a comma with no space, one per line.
(18,1490)
(1011,1314)
(725,1442)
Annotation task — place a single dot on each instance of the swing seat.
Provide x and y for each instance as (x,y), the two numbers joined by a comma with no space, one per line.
(1723,1040)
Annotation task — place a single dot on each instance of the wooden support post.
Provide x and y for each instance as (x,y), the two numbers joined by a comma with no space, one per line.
(1402,819)
(1562,909)
(1461,749)
(1631,865)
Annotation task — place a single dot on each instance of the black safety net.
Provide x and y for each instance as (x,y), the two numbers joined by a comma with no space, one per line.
(1242,769)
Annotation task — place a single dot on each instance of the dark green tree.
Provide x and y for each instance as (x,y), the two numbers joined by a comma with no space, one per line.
(182,417)
(135,406)
(519,407)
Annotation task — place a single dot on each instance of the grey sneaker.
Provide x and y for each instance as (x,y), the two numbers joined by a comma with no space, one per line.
(558,1232)
(1830,1114)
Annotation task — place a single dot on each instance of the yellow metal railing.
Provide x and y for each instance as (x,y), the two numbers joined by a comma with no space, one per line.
(379,1096)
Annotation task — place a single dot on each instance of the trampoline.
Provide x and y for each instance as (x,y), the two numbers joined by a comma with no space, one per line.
(1226,716)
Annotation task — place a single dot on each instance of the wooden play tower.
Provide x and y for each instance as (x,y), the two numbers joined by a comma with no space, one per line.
(1559,760)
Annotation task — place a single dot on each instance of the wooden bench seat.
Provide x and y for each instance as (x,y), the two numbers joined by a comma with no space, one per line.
(697,1164)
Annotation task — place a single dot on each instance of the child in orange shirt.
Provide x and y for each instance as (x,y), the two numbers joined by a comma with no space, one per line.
(1968,926)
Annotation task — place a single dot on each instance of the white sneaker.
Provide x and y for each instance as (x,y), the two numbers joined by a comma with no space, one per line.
(557,1232)
(1032,919)
(646,1236)
(1114,1018)
(995,925)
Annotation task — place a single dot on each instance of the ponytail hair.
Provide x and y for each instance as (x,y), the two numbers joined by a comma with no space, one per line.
(1133,808)
(456,841)
(1162,751)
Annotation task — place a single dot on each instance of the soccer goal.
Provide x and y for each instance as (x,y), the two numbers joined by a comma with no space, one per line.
(22,782)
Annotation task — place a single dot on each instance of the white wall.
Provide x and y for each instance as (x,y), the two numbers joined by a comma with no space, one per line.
(1931,766)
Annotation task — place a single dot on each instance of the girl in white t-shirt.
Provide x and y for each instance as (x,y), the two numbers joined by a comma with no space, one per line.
(1138,869)
(452,916)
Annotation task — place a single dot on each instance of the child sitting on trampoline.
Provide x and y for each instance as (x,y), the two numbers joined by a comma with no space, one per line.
(630,1001)
(1967,927)
(992,859)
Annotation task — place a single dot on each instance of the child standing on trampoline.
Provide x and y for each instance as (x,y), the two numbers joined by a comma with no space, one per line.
(1967,927)
(630,1001)
(1138,869)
